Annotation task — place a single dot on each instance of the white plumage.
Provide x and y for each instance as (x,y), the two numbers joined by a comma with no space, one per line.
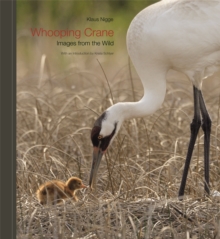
(183,35)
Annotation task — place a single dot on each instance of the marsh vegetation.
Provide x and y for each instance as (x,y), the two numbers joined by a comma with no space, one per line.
(138,180)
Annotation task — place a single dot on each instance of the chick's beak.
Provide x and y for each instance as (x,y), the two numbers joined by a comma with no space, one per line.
(83,186)
(97,156)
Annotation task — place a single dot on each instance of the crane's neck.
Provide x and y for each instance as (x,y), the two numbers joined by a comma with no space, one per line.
(154,83)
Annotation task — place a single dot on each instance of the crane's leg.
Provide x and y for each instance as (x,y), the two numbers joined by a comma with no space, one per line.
(206,126)
(195,125)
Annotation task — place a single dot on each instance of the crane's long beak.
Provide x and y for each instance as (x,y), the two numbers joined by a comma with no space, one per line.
(97,156)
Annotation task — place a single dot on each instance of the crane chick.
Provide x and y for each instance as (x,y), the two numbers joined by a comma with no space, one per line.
(56,191)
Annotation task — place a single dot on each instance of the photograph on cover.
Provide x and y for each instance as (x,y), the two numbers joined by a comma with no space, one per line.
(117,133)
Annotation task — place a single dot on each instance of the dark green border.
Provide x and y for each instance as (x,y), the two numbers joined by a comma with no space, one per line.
(7,118)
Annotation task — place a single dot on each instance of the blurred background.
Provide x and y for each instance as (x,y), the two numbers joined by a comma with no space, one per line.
(61,15)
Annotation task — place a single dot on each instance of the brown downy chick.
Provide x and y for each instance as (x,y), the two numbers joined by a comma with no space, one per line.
(56,191)
(74,184)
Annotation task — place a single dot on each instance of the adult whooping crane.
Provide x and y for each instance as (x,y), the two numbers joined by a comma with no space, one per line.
(183,35)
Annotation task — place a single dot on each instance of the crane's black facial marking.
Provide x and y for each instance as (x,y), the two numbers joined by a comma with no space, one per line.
(97,139)
(98,122)
(100,144)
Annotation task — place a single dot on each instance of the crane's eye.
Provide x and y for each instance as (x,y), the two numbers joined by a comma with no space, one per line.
(100,136)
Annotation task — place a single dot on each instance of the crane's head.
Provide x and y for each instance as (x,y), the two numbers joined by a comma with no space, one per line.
(103,133)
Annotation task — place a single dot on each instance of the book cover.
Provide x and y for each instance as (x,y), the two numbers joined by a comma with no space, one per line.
(72,64)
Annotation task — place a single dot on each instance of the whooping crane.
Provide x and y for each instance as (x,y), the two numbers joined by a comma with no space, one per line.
(55,191)
(183,35)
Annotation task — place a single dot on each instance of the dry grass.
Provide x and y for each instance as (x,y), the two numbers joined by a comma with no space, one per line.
(139,177)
